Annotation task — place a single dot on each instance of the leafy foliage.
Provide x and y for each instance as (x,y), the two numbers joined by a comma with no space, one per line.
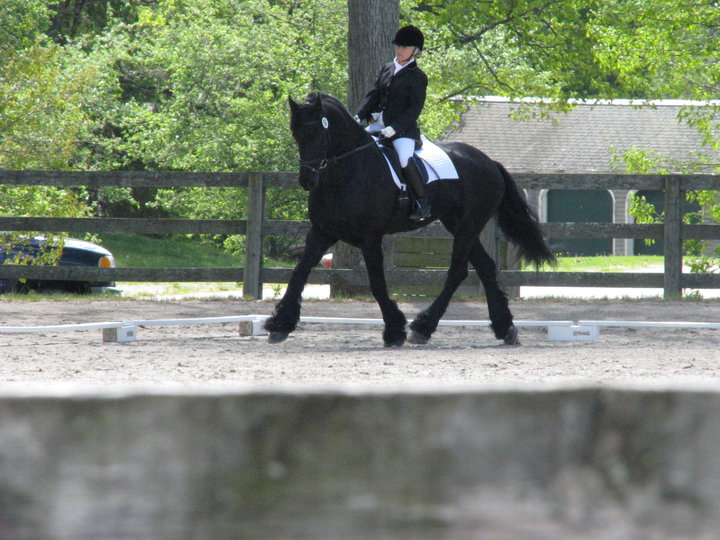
(660,48)
(668,49)
(202,84)
(40,110)
(41,114)
(22,23)
(530,48)
(33,201)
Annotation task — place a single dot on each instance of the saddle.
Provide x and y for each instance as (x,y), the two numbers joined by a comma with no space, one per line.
(391,156)
(433,162)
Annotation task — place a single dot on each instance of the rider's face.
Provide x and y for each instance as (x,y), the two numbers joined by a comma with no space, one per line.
(403,53)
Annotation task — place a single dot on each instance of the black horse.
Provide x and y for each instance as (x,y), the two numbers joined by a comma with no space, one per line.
(353,198)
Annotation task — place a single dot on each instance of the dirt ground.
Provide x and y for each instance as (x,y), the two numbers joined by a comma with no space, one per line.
(209,355)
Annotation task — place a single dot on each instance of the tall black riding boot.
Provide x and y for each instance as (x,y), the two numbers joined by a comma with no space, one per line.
(417,186)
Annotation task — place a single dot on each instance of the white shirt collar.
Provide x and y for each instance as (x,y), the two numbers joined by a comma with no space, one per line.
(399,66)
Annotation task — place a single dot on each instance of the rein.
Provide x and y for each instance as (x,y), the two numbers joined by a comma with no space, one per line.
(323,162)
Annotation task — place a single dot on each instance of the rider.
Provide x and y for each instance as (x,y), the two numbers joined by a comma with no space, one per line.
(393,105)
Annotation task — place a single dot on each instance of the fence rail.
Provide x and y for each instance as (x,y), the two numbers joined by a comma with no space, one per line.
(255,227)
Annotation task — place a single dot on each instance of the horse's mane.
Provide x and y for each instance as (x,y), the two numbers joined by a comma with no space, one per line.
(349,122)
(314,97)
(326,99)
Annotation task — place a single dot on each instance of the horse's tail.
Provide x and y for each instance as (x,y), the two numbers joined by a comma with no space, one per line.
(521,225)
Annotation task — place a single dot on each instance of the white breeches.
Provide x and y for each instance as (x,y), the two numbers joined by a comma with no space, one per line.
(404,146)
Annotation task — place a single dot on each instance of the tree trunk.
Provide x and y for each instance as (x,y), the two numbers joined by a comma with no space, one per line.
(371,27)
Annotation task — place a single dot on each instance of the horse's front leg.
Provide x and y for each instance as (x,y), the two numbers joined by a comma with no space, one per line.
(287,312)
(426,321)
(394,334)
(497,300)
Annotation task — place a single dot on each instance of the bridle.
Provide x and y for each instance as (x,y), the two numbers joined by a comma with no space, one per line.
(323,162)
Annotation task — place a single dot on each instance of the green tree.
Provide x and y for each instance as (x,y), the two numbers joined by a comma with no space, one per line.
(513,48)
(22,23)
(510,48)
(220,73)
(41,115)
(40,111)
(70,19)
(646,49)
(668,49)
(203,85)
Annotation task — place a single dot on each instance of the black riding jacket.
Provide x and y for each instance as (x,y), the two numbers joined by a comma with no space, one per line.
(399,97)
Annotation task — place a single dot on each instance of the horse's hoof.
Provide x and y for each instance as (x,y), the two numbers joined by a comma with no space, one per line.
(417,338)
(511,338)
(277,337)
(394,337)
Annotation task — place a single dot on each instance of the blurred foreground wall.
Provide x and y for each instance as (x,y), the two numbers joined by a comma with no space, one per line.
(353,464)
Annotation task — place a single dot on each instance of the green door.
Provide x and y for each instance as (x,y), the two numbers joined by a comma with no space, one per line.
(581,206)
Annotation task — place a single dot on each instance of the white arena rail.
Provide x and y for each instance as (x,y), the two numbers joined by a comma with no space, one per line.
(251,325)
(125,331)
(651,324)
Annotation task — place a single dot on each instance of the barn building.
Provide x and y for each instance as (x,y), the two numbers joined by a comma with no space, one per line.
(590,137)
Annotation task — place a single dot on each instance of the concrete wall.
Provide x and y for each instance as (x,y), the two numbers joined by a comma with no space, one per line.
(574,463)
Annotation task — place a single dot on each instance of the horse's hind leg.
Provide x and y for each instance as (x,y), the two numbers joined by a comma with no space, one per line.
(287,312)
(394,334)
(500,315)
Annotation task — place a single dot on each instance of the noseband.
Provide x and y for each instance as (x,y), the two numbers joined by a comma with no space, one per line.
(324,161)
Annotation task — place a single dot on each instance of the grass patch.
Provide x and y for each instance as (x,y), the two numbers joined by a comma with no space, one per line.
(138,251)
(606,263)
(45,296)
(134,250)
(169,251)
(204,289)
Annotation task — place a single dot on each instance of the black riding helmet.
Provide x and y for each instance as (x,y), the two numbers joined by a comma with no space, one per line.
(409,36)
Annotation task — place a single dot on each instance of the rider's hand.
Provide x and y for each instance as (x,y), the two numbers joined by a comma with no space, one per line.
(387,132)
(358,119)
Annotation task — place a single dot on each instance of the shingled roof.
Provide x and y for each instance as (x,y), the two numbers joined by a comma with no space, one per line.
(579,140)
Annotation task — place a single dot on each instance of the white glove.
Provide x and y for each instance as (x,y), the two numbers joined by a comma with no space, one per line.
(357,119)
(387,132)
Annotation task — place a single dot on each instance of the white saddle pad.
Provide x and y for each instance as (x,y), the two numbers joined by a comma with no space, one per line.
(436,160)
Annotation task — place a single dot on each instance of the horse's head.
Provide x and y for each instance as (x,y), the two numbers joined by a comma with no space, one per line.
(310,130)
(322,128)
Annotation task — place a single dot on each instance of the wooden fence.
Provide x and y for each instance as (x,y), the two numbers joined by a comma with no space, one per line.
(255,227)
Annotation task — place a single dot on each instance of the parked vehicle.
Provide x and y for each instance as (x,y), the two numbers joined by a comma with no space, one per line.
(326,260)
(74,253)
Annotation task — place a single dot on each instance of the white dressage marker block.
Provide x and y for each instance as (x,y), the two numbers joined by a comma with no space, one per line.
(253,327)
(245,328)
(575,332)
(120,334)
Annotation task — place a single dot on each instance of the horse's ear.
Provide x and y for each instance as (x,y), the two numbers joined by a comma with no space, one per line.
(293,106)
(317,105)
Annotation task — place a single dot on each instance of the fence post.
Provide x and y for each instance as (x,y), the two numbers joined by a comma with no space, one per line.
(672,238)
(252,286)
